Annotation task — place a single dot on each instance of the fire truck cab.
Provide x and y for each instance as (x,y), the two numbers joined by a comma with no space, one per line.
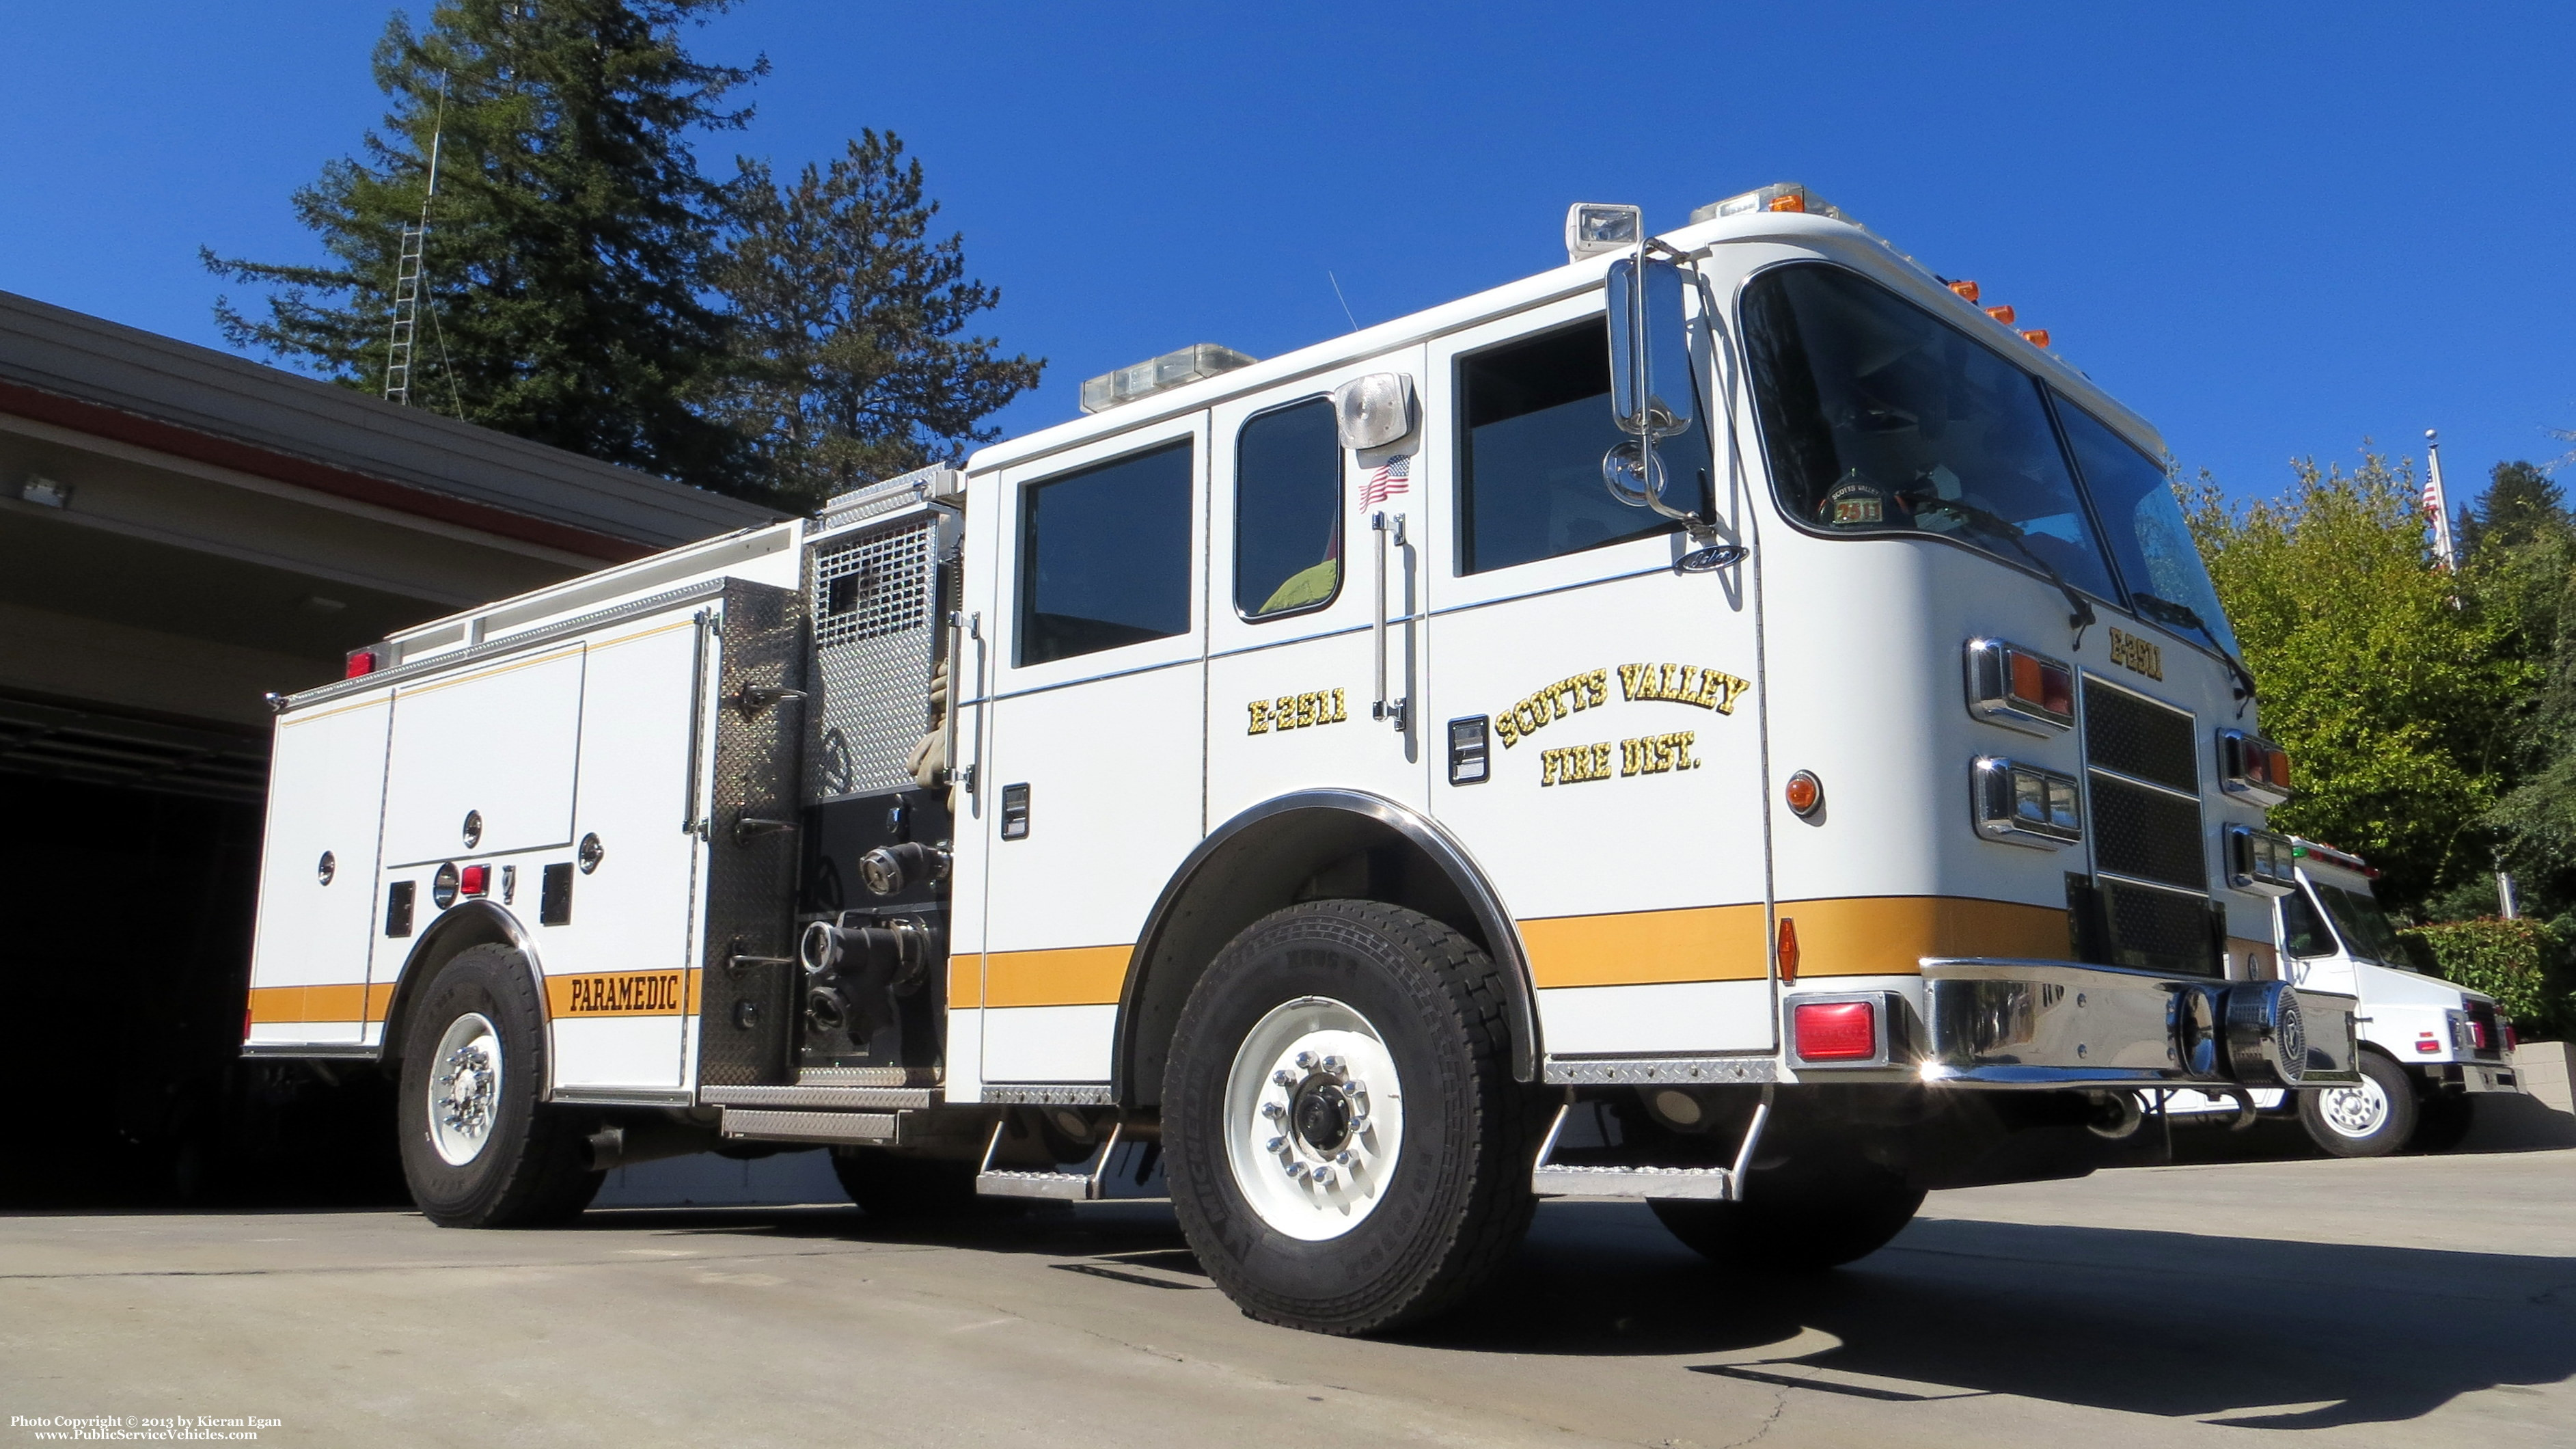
(1728,722)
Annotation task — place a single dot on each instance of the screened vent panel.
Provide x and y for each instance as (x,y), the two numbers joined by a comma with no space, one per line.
(2137,736)
(876,627)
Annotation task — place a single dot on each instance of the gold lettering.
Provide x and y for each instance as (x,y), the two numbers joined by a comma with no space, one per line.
(1682,750)
(1339,714)
(1260,718)
(1597,685)
(1628,677)
(1508,728)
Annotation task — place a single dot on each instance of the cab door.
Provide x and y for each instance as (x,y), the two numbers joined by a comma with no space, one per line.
(1091,784)
(1295,597)
(1593,713)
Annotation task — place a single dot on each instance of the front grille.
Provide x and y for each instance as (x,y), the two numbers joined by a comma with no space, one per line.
(2147,833)
(2137,736)
(2157,930)
(2143,778)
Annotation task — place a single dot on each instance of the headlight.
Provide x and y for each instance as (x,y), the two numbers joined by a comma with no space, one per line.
(2259,861)
(2026,805)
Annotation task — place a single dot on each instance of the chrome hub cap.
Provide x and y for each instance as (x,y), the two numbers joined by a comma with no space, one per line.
(465,1088)
(2355,1111)
(1314,1118)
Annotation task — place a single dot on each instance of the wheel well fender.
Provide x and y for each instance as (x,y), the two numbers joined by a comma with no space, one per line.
(1309,845)
(463,926)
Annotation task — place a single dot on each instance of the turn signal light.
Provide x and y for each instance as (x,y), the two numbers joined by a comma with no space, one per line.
(2011,686)
(1967,290)
(475,880)
(1788,951)
(1835,1031)
(361,662)
(2001,314)
(2253,767)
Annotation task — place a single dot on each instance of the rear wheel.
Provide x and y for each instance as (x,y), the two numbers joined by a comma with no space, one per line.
(480,1148)
(2371,1118)
(1348,1152)
(1821,1209)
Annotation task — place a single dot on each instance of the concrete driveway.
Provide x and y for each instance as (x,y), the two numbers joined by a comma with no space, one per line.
(2403,1301)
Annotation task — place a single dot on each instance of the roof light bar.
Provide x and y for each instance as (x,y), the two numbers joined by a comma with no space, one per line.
(1193,363)
(1786,196)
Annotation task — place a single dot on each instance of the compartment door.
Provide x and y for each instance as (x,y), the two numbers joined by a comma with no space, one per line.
(501,743)
(317,883)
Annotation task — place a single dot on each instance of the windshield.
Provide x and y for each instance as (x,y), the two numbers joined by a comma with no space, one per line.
(2363,925)
(1881,418)
(2149,540)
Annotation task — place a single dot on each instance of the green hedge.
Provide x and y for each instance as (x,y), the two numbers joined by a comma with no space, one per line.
(2513,961)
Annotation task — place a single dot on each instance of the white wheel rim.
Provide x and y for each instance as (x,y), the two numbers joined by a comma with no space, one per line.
(465,1088)
(1314,1118)
(2355,1111)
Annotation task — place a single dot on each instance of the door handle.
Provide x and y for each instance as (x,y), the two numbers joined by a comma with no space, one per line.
(1390,535)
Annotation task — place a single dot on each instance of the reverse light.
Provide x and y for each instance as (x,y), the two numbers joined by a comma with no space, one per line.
(361,662)
(1835,1031)
(2260,861)
(2026,805)
(474,880)
(2254,767)
(2018,689)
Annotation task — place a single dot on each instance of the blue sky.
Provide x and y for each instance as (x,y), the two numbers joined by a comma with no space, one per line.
(2274,229)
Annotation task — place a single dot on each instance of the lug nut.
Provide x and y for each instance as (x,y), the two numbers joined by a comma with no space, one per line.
(1324,1175)
(1273,1111)
(1284,1077)
(1297,1170)
(1345,1157)
(1275,1144)
(1335,1066)
(1306,1060)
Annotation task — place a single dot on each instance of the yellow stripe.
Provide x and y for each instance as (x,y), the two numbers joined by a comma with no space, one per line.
(598,644)
(623,993)
(1074,976)
(965,980)
(1631,948)
(290,1005)
(291,721)
(1890,935)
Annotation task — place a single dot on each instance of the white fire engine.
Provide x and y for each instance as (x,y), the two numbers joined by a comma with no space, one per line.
(1727,722)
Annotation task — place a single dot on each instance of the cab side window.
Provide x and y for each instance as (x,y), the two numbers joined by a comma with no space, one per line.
(2303,933)
(1536,420)
(1287,511)
(1105,556)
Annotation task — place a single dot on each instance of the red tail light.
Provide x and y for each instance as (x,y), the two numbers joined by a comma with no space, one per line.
(2512,1038)
(361,661)
(1835,1031)
(474,880)
(2428,1044)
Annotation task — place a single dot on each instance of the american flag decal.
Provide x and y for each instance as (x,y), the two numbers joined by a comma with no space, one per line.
(1393,476)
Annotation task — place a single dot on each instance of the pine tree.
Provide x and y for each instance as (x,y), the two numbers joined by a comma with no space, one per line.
(569,239)
(849,365)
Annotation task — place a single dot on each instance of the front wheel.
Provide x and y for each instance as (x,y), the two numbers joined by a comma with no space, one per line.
(1348,1152)
(2371,1118)
(480,1148)
(1822,1209)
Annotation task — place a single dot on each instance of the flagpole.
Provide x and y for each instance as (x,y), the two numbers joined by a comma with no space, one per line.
(2437,502)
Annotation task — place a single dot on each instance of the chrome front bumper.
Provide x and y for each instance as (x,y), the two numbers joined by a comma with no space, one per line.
(2056,1024)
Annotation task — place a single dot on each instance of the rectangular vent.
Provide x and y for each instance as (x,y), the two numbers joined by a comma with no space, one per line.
(2148,834)
(2157,930)
(873,588)
(2137,736)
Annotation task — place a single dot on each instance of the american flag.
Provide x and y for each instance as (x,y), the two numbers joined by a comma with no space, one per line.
(2437,504)
(1392,477)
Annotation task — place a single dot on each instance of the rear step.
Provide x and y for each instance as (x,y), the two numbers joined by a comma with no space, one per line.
(1055,1186)
(1704,1184)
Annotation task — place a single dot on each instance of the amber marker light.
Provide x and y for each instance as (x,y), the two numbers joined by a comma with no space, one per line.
(1804,793)
(1791,202)
(1967,290)
(2001,314)
(2036,336)
(1788,950)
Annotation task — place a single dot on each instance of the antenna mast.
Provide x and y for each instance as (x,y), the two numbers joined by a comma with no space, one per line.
(407,272)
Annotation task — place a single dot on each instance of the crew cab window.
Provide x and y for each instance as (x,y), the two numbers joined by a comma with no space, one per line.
(1287,511)
(1880,418)
(1535,422)
(1105,556)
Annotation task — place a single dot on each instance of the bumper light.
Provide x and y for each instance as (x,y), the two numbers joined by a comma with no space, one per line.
(1835,1031)
(2026,805)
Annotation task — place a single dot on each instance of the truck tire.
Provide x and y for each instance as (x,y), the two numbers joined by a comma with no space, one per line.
(1346,1148)
(1820,1210)
(2443,1120)
(906,1189)
(480,1148)
(2372,1118)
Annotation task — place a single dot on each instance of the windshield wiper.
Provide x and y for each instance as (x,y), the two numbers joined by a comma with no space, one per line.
(2079,609)
(2167,611)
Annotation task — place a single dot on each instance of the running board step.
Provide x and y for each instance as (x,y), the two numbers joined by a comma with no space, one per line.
(873,1127)
(1647,1184)
(1054,1186)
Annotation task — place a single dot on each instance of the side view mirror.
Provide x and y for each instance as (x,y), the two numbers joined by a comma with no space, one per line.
(1650,365)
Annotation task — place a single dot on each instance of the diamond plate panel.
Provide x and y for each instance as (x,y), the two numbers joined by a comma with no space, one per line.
(745,1015)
